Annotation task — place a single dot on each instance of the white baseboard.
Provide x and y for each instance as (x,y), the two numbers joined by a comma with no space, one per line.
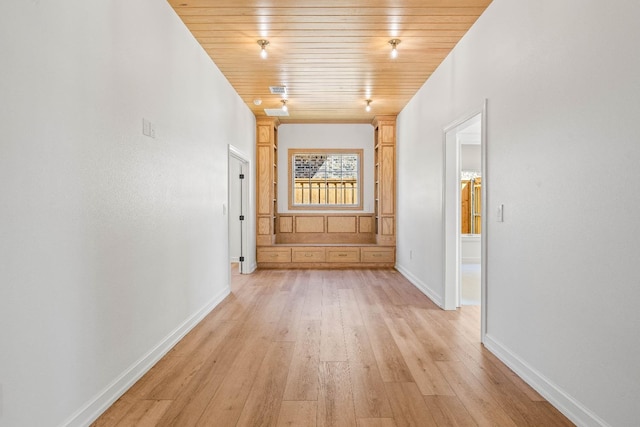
(251,268)
(433,296)
(566,404)
(101,402)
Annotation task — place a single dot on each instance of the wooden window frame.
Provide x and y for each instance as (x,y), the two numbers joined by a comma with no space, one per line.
(359,152)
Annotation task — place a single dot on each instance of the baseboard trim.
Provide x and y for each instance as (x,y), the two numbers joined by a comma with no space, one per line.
(564,402)
(420,285)
(253,267)
(103,400)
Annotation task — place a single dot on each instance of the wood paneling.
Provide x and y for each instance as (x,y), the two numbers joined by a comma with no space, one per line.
(388,228)
(339,229)
(264,225)
(310,224)
(332,54)
(286,224)
(264,166)
(264,134)
(365,224)
(341,224)
(387,180)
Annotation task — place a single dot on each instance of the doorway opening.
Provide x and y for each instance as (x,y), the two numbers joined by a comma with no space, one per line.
(464,207)
(238,192)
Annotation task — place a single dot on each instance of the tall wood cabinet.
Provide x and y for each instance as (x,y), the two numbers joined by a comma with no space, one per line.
(266,180)
(385,179)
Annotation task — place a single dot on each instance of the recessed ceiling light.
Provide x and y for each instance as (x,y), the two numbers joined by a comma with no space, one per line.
(257,101)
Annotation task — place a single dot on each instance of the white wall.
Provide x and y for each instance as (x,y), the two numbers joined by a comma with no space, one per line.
(561,80)
(470,157)
(111,243)
(325,136)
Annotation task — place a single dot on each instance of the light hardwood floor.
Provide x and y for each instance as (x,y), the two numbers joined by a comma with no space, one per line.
(360,348)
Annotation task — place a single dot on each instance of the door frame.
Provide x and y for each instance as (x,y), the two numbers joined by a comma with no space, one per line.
(451,214)
(235,153)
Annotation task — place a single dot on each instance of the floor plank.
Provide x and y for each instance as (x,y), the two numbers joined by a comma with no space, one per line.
(481,405)
(302,381)
(409,408)
(145,413)
(335,402)
(331,348)
(376,422)
(369,395)
(448,411)
(425,373)
(390,362)
(297,414)
(263,404)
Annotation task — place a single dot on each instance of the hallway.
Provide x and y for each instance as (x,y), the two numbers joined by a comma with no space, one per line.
(331,348)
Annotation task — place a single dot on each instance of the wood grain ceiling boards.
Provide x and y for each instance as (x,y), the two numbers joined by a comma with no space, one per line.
(331,55)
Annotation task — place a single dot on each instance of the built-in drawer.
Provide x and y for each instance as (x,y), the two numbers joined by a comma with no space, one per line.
(343,254)
(377,255)
(307,254)
(274,254)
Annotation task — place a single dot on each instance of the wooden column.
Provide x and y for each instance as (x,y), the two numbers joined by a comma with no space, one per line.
(266,180)
(385,179)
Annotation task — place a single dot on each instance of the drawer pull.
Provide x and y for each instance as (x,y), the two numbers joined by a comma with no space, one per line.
(377,255)
(308,255)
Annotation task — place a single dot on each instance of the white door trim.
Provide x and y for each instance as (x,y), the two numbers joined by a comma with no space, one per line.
(234,152)
(451,222)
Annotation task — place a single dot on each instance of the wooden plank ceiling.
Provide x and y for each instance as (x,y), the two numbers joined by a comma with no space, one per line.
(332,55)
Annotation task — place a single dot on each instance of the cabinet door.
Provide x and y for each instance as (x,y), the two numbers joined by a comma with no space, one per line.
(343,255)
(307,255)
(274,254)
(382,255)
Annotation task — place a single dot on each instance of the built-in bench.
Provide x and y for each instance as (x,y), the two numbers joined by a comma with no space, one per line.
(325,241)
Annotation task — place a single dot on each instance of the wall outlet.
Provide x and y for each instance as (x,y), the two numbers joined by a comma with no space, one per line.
(410,254)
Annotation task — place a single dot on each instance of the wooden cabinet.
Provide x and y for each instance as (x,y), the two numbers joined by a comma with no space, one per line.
(385,180)
(343,254)
(311,254)
(266,180)
(326,256)
(378,254)
(274,254)
(327,239)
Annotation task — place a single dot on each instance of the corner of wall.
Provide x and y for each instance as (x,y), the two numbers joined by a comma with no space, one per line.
(423,287)
(101,402)
(559,398)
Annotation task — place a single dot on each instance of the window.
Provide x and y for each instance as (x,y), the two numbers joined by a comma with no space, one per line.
(325,179)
